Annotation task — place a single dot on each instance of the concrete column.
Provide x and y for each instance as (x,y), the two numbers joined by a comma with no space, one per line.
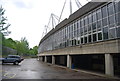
(41,58)
(69,61)
(109,66)
(38,58)
(45,58)
(53,59)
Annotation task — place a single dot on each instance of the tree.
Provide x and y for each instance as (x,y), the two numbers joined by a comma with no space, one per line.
(22,46)
(3,28)
(3,25)
(9,43)
(34,50)
(31,52)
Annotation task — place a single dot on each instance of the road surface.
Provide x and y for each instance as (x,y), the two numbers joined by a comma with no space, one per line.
(34,69)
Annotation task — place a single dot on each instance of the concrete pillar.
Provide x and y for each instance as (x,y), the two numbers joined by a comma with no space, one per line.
(41,58)
(45,58)
(109,66)
(53,59)
(69,61)
(38,58)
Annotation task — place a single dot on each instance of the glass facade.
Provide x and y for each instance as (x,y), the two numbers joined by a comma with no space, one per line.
(101,24)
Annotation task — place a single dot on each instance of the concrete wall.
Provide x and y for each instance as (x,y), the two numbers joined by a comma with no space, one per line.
(111,46)
(107,49)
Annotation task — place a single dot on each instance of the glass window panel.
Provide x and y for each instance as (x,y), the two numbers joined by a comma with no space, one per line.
(111,20)
(78,42)
(67,42)
(72,42)
(77,25)
(94,26)
(78,32)
(90,18)
(105,22)
(100,36)
(75,33)
(86,21)
(117,7)
(110,9)
(118,19)
(85,38)
(66,31)
(82,23)
(81,31)
(78,29)
(74,26)
(99,15)
(85,29)
(89,27)
(118,32)
(104,11)
(94,17)
(112,33)
(70,36)
(69,29)
(105,33)
(82,40)
(99,24)
(75,42)
(94,37)
(89,38)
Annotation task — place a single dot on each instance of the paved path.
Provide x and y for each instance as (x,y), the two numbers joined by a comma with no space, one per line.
(33,69)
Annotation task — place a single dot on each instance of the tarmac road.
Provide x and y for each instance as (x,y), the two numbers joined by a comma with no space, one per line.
(34,69)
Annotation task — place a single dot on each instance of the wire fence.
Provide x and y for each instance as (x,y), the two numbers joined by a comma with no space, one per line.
(8,51)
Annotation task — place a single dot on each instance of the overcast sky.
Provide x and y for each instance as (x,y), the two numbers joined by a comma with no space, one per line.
(28,17)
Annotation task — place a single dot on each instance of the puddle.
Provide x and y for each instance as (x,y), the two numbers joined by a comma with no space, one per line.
(24,70)
(33,70)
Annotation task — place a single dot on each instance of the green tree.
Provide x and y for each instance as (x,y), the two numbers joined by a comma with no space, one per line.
(9,43)
(31,52)
(3,25)
(22,46)
(34,50)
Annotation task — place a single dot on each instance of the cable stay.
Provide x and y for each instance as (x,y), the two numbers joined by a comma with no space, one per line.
(79,5)
(70,7)
(53,21)
(62,11)
(88,0)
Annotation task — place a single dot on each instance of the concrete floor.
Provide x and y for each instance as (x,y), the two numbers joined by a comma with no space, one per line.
(34,69)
